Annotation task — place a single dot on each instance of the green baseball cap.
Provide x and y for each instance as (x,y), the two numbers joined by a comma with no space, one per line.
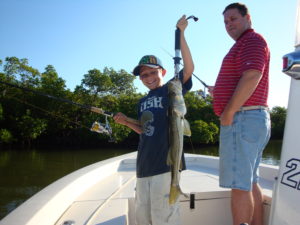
(150,61)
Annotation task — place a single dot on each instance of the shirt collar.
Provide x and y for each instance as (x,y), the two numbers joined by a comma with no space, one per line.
(245,32)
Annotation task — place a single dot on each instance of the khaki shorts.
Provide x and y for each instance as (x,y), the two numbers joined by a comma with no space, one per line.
(152,201)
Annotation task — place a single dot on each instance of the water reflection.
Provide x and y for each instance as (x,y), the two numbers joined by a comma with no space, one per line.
(24,173)
(271,154)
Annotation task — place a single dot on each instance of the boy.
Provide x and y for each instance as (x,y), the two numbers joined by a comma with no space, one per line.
(153,173)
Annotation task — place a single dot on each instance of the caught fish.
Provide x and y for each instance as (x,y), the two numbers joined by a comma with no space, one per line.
(178,127)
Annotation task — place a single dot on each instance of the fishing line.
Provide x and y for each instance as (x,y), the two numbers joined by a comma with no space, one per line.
(190,139)
(88,107)
(47,112)
(102,128)
(96,127)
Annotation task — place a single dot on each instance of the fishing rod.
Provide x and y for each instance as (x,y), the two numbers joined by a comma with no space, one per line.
(177,47)
(177,55)
(201,81)
(88,107)
(97,127)
(177,52)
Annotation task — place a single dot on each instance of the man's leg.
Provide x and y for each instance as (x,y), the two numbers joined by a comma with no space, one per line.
(258,205)
(242,206)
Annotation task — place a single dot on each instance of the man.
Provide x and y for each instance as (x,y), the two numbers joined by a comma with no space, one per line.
(240,100)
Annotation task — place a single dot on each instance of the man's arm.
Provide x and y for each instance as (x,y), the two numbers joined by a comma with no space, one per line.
(243,91)
(185,51)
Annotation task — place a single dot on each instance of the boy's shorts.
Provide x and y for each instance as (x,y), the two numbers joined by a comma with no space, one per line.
(152,201)
(241,148)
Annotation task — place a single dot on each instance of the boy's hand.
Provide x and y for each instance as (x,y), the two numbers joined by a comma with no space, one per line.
(120,118)
(182,23)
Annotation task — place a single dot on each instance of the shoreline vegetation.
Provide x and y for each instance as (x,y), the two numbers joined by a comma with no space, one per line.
(29,120)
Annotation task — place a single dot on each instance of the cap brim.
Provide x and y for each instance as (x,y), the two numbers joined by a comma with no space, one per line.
(136,70)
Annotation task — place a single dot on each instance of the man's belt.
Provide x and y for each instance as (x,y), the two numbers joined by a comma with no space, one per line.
(253,107)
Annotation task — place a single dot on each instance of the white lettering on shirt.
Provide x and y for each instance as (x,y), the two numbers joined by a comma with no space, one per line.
(152,102)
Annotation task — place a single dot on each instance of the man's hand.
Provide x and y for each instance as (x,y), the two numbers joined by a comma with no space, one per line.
(226,118)
(211,90)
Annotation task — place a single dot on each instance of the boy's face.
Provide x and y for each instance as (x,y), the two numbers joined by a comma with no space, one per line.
(152,78)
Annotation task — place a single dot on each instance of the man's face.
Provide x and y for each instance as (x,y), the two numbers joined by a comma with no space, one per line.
(152,78)
(235,23)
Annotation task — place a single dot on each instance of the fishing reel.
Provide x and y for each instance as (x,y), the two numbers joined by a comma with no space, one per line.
(103,128)
(100,128)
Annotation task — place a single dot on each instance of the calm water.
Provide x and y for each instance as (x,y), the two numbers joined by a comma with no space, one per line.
(23,173)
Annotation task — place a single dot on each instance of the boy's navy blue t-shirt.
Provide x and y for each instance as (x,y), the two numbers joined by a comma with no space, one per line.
(154,141)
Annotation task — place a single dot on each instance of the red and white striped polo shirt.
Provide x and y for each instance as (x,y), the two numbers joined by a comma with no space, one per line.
(250,52)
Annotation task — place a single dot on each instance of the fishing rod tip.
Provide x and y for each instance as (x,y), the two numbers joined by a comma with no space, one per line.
(193,17)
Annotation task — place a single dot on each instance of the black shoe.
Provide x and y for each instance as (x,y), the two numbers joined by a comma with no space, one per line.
(244,224)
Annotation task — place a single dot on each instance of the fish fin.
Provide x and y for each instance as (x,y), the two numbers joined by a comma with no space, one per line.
(186,128)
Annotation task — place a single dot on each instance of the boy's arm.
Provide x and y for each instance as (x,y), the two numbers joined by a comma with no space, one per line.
(129,122)
(185,51)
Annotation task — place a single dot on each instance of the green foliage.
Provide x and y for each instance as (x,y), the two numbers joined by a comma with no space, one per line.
(203,132)
(5,136)
(108,82)
(97,83)
(28,118)
(1,112)
(199,108)
(51,83)
(122,82)
(19,70)
(30,128)
(278,116)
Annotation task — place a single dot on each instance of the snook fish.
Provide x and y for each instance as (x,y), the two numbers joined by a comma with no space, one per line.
(178,127)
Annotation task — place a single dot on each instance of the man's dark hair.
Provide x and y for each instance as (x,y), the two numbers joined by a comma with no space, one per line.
(243,10)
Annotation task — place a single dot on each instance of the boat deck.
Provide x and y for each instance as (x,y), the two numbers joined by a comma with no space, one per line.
(103,194)
(111,201)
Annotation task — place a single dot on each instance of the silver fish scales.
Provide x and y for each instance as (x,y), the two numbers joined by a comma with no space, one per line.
(178,127)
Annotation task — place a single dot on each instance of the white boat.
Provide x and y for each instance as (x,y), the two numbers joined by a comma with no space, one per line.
(103,193)
(286,197)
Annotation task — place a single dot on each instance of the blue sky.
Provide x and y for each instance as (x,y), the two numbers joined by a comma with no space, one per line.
(76,36)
